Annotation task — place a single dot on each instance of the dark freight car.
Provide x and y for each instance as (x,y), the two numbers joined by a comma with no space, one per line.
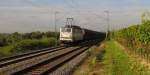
(89,34)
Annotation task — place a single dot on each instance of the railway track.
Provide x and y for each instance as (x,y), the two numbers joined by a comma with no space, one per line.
(26,54)
(41,62)
(18,58)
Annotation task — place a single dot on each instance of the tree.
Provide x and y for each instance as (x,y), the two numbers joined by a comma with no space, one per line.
(3,41)
(14,37)
(36,35)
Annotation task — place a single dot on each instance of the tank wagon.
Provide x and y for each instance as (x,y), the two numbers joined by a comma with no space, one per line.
(72,33)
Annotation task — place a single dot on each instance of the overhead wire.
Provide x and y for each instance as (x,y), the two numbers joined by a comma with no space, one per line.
(77,4)
(71,4)
(45,8)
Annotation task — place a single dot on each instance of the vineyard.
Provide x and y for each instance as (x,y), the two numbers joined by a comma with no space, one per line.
(136,37)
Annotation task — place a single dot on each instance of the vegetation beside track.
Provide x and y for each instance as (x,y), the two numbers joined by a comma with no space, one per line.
(22,42)
(118,62)
(136,38)
(111,59)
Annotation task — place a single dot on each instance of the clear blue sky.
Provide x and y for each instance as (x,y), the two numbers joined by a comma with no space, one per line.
(33,15)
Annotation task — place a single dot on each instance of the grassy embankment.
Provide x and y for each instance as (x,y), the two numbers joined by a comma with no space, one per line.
(111,59)
(118,62)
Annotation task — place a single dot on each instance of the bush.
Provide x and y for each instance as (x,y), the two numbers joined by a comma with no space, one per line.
(18,42)
(33,44)
(3,41)
(25,45)
(48,42)
(5,50)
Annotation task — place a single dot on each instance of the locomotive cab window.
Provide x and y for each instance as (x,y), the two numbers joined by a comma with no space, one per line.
(66,29)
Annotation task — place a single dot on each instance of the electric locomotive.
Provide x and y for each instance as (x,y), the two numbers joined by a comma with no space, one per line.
(71,33)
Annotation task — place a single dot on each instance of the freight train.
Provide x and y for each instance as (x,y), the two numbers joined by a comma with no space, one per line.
(72,33)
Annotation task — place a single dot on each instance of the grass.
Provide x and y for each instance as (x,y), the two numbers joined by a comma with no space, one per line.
(5,50)
(117,62)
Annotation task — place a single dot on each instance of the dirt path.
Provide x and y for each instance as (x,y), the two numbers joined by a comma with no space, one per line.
(85,67)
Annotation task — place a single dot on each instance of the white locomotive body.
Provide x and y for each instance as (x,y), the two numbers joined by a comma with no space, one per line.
(71,33)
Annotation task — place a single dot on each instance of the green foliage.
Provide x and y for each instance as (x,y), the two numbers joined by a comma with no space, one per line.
(3,41)
(33,44)
(117,62)
(22,42)
(8,39)
(47,42)
(36,35)
(137,37)
(28,45)
(140,32)
(51,34)
(14,37)
(6,50)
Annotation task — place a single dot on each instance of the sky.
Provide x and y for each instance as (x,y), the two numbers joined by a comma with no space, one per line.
(39,15)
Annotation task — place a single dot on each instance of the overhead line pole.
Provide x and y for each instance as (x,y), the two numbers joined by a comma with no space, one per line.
(108,24)
(55,23)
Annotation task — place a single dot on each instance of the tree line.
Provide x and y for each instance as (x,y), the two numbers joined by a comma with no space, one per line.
(11,38)
(14,43)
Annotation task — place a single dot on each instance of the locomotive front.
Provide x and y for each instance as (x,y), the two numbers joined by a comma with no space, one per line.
(66,34)
(71,34)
